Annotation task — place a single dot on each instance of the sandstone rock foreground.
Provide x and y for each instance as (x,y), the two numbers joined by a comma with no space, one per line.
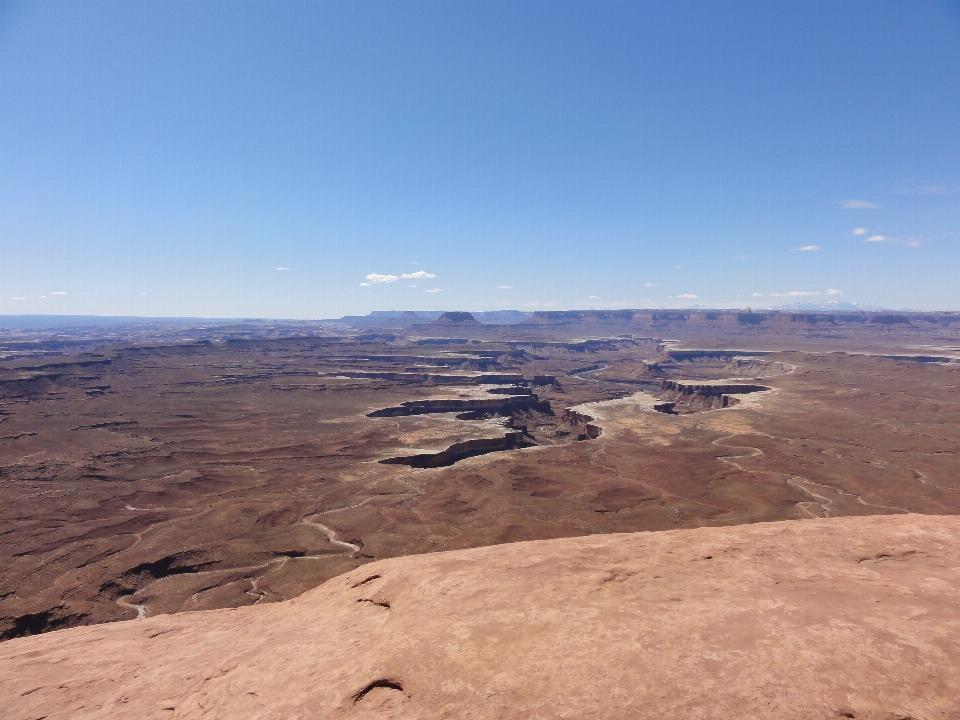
(844,617)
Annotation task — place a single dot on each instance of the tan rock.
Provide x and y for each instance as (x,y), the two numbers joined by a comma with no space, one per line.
(846,617)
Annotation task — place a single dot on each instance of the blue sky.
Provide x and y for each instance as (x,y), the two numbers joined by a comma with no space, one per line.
(248,159)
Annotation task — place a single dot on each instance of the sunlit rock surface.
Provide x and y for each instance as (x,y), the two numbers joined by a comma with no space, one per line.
(844,617)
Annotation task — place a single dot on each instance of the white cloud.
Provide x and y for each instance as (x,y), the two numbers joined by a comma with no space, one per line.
(930,190)
(282,268)
(413,286)
(364,284)
(58,292)
(435,290)
(418,275)
(18,298)
(860,231)
(504,287)
(796,293)
(912,243)
(685,296)
(756,294)
(831,291)
(593,297)
(860,205)
(650,284)
(875,238)
(809,248)
(676,267)
(374,278)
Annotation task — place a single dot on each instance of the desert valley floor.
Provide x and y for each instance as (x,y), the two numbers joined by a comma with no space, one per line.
(144,478)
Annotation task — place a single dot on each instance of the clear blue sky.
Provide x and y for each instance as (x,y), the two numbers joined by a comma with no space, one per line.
(261,159)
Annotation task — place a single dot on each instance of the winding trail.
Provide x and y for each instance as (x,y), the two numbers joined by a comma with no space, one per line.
(141,610)
(923,479)
(331,535)
(796,481)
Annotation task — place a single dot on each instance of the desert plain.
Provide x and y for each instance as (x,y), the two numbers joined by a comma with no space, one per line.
(219,469)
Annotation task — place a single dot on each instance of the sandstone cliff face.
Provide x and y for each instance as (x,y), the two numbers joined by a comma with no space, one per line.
(838,618)
(583,424)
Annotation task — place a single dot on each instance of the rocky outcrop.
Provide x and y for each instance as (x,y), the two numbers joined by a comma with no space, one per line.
(837,618)
(710,355)
(888,319)
(697,396)
(544,380)
(686,389)
(460,318)
(583,424)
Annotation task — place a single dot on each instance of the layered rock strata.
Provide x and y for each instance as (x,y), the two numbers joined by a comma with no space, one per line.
(583,424)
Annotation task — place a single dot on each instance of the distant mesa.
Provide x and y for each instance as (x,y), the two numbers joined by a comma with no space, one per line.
(460,318)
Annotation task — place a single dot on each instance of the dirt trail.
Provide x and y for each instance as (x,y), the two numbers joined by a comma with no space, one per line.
(141,610)
(331,534)
(796,481)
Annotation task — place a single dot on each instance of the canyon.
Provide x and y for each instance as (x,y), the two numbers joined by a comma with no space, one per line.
(244,466)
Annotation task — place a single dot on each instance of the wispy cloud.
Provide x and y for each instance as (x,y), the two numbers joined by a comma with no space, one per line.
(685,296)
(282,268)
(831,291)
(18,298)
(860,231)
(909,242)
(374,278)
(58,292)
(650,284)
(434,290)
(676,267)
(756,294)
(860,205)
(418,275)
(809,248)
(364,284)
(504,287)
(930,190)
(593,297)
(796,293)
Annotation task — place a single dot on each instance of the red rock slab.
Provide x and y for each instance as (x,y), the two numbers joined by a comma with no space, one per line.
(835,618)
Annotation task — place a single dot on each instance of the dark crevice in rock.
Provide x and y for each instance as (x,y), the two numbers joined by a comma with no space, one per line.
(506,406)
(461,451)
(386,683)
